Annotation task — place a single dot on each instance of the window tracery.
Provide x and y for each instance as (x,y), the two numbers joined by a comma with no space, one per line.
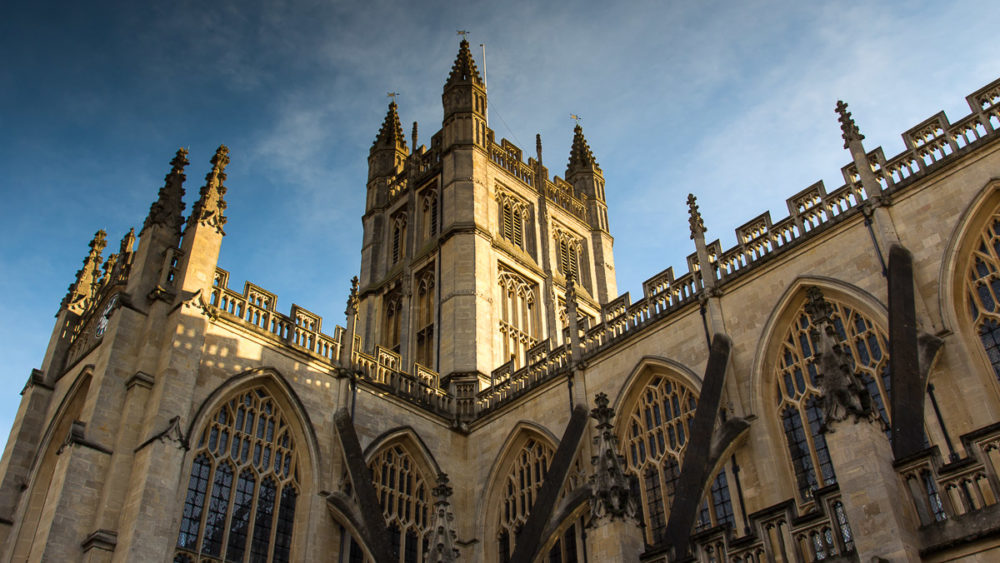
(798,396)
(568,248)
(393,303)
(982,289)
(425,318)
(518,315)
(398,237)
(243,486)
(513,213)
(405,498)
(656,433)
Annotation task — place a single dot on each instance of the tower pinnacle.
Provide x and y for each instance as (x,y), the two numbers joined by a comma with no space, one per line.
(82,289)
(210,205)
(390,135)
(695,220)
(580,155)
(464,69)
(166,210)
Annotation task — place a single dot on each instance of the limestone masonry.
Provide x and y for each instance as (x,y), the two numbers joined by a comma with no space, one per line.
(492,398)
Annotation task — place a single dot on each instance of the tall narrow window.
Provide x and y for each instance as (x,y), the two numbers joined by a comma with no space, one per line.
(513,213)
(393,305)
(657,431)
(425,318)
(798,392)
(518,316)
(569,250)
(982,288)
(398,238)
(430,214)
(405,498)
(243,484)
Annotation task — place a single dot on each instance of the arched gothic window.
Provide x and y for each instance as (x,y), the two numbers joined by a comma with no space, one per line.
(512,216)
(405,497)
(656,433)
(520,489)
(393,304)
(798,393)
(431,219)
(569,255)
(398,238)
(425,318)
(244,484)
(982,288)
(518,316)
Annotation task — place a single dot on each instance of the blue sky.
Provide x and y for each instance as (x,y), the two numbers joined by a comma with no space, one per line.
(732,101)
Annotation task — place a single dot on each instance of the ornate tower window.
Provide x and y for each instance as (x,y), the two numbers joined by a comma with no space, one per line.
(518,315)
(569,254)
(404,495)
(431,220)
(982,286)
(398,237)
(425,318)
(798,394)
(513,213)
(243,487)
(393,303)
(656,433)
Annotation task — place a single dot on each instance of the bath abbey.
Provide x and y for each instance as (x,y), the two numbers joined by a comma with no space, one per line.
(828,388)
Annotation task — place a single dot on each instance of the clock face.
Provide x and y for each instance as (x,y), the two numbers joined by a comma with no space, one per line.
(102,323)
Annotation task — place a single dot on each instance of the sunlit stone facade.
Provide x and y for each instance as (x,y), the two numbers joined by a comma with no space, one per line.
(174,418)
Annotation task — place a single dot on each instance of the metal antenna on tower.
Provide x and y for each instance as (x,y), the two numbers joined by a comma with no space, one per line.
(485,84)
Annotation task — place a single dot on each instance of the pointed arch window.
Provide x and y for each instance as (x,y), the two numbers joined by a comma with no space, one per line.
(512,217)
(243,486)
(404,495)
(518,316)
(569,256)
(393,304)
(431,220)
(798,392)
(425,318)
(520,489)
(982,289)
(656,434)
(398,238)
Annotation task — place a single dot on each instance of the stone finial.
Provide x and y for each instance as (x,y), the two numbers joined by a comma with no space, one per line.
(538,148)
(849,129)
(413,136)
(842,392)
(695,221)
(580,155)
(464,69)
(352,299)
(442,545)
(610,486)
(209,208)
(166,210)
(390,135)
(87,277)
(127,243)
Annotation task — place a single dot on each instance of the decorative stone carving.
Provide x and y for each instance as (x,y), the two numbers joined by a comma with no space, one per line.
(442,546)
(209,208)
(843,393)
(695,220)
(611,488)
(166,210)
(83,289)
(849,129)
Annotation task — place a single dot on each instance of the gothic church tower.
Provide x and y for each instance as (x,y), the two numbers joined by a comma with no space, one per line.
(468,249)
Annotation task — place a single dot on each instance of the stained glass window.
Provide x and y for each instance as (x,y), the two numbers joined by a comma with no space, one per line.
(982,285)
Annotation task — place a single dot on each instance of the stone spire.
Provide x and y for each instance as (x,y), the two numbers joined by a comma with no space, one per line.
(166,210)
(87,277)
(390,136)
(209,208)
(610,487)
(442,546)
(580,155)
(695,220)
(849,129)
(464,69)
(843,393)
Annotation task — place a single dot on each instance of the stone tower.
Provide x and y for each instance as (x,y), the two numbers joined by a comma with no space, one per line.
(467,249)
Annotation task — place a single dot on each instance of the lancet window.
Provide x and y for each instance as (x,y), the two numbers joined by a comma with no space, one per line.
(518,315)
(431,219)
(244,485)
(398,237)
(569,255)
(405,497)
(982,287)
(798,397)
(425,318)
(393,304)
(513,213)
(656,434)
